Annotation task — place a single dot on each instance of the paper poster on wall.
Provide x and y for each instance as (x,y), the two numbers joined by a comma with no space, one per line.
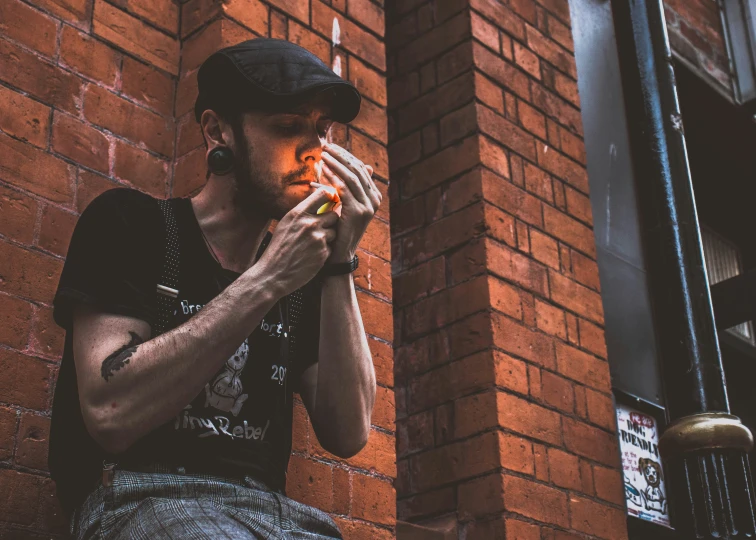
(645,489)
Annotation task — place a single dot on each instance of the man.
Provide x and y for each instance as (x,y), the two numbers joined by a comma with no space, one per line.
(187,434)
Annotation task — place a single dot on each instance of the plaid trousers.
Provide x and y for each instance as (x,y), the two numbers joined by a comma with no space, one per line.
(157,506)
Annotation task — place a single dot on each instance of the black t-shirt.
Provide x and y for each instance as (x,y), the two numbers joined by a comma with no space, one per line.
(241,420)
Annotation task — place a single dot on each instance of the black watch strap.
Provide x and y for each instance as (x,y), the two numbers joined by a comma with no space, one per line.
(337,269)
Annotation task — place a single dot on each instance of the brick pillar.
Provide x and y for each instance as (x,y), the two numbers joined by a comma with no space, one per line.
(96,95)
(505,419)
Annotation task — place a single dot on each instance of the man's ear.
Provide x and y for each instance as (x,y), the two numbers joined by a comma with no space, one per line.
(215,130)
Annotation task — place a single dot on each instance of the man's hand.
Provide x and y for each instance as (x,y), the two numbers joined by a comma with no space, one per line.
(300,244)
(360,199)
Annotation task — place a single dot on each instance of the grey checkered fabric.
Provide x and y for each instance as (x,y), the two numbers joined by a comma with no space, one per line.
(156,506)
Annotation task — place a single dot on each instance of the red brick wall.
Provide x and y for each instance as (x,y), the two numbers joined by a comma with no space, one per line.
(505,421)
(695,35)
(97,94)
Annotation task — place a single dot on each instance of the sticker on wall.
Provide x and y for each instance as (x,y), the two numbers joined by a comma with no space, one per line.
(645,489)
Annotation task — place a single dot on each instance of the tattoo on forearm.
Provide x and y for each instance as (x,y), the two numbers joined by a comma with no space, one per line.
(121,357)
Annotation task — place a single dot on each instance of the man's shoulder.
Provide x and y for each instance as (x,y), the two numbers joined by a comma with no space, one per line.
(122,198)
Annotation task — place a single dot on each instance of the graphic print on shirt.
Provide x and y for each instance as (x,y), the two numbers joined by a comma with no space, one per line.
(225,391)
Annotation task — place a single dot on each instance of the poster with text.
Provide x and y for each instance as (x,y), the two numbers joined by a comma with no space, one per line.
(645,489)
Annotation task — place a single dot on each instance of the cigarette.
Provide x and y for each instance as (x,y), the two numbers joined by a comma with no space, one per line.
(330,189)
(318,169)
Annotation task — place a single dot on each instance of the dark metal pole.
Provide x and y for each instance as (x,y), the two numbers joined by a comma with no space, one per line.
(704,447)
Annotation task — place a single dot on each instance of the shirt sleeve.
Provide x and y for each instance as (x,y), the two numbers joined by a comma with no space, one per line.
(112,258)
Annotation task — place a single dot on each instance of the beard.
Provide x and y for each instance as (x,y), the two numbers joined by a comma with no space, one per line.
(258,194)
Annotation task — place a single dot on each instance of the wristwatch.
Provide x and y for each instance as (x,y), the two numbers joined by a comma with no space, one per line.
(337,269)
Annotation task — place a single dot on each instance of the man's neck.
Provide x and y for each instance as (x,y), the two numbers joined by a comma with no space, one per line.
(234,236)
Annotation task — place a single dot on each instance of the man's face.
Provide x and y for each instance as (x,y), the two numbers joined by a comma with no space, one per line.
(276,156)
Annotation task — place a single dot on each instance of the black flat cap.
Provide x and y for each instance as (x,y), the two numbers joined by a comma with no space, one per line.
(272,75)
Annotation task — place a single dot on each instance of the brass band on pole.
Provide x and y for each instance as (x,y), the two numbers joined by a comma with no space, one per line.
(705,431)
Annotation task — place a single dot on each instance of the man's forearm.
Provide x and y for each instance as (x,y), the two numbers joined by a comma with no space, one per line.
(164,374)
(345,392)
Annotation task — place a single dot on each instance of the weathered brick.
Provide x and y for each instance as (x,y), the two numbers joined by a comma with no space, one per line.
(373,499)
(601,410)
(609,485)
(148,86)
(597,519)
(299,9)
(195,13)
(480,496)
(499,225)
(575,297)
(443,234)
(570,231)
(430,502)
(551,52)
(536,501)
(21,499)
(46,82)
(122,117)
(80,142)
(17,20)
(35,170)
(561,167)
(501,71)
(77,12)
(511,199)
(141,169)
(557,392)
(310,482)
(33,437)
(528,61)
(419,282)
(489,93)
(26,381)
(8,422)
(502,16)
(373,154)
(56,230)
(161,13)
(494,156)
(590,442)
(252,14)
(18,214)
(522,530)
(564,469)
(585,270)
(383,360)
(369,82)
(510,373)
(451,381)
(374,275)
(88,56)
(432,105)
(89,186)
(505,132)
(421,355)
(377,316)
(352,38)
(583,367)
(559,109)
(528,419)
(513,266)
(28,273)
(550,319)
(15,321)
(24,118)
(46,336)
(414,433)
(544,249)
(592,338)
(465,459)
(131,34)
(186,94)
(372,121)
(368,14)
(433,43)
(356,530)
